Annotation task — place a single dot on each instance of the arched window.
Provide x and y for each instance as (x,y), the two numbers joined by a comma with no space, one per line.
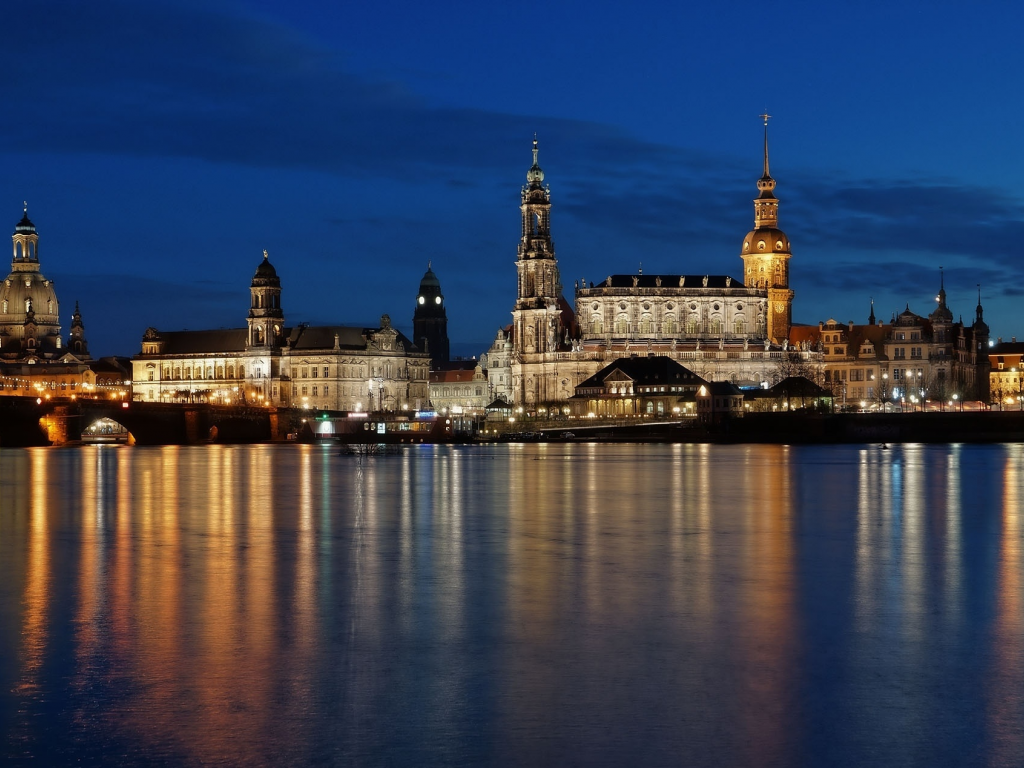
(693,325)
(596,326)
(621,325)
(740,326)
(670,325)
(716,326)
(646,324)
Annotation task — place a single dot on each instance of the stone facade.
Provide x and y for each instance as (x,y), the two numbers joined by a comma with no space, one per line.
(716,325)
(34,359)
(906,362)
(268,363)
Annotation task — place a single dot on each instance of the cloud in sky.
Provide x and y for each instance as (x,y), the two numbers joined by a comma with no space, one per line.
(414,180)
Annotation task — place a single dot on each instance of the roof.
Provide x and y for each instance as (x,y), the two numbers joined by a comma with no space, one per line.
(203,342)
(451,377)
(720,388)
(300,338)
(669,281)
(654,369)
(1007,348)
(797,386)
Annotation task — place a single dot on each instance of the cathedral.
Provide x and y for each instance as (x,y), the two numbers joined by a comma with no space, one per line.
(34,357)
(267,362)
(720,327)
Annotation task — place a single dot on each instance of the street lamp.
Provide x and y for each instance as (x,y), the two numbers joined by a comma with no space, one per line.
(885,391)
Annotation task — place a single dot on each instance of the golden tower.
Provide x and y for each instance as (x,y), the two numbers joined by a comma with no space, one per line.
(766,254)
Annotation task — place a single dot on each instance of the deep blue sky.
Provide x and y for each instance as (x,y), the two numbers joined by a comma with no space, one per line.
(163,146)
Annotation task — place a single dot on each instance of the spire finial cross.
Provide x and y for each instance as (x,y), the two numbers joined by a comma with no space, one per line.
(766,117)
(265,254)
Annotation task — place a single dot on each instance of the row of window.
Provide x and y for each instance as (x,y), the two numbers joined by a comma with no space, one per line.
(63,386)
(694,326)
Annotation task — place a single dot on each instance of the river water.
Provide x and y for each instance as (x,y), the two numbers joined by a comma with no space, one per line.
(513,605)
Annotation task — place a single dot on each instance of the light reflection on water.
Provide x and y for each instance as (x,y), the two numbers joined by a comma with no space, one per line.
(521,604)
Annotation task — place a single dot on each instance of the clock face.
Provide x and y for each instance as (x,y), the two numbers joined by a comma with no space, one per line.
(437,299)
(422,300)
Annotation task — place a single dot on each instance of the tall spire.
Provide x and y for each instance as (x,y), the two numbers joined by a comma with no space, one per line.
(535,175)
(766,117)
(871,317)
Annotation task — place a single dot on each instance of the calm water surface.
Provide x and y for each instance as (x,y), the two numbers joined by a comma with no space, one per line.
(513,605)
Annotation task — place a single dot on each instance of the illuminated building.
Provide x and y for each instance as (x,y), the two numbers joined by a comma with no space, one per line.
(34,359)
(1006,379)
(459,390)
(269,363)
(908,361)
(630,386)
(716,325)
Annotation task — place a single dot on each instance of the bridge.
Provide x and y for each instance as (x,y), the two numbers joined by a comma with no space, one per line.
(28,421)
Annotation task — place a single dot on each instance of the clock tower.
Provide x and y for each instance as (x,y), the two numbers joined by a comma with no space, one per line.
(429,320)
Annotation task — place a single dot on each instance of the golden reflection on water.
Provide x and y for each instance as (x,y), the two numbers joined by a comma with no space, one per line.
(38,587)
(238,597)
(1006,700)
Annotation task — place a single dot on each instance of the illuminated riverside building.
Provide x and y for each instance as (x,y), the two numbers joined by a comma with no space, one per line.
(718,326)
(34,358)
(910,360)
(269,363)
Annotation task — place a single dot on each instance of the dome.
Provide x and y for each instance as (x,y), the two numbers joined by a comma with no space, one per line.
(265,273)
(429,280)
(24,289)
(766,241)
(25,226)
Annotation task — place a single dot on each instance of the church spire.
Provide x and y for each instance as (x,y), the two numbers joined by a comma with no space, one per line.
(871,317)
(766,117)
(766,184)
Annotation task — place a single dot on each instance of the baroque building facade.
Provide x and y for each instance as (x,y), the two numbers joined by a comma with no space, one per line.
(909,361)
(340,368)
(35,359)
(716,325)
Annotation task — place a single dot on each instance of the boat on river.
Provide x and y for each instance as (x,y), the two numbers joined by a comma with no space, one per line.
(376,429)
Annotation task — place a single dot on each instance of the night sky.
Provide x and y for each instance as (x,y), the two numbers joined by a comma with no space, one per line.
(162,146)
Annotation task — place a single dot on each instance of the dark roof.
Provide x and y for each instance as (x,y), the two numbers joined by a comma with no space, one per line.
(1007,348)
(430,280)
(302,337)
(723,388)
(203,342)
(797,386)
(456,365)
(670,281)
(644,371)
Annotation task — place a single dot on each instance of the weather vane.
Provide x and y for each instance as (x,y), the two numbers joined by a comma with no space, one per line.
(766,117)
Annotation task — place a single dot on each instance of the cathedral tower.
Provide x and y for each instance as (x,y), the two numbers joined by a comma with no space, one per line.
(429,320)
(29,323)
(77,344)
(266,319)
(536,314)
(766,254)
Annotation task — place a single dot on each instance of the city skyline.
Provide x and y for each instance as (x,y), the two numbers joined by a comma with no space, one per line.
(162,148)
